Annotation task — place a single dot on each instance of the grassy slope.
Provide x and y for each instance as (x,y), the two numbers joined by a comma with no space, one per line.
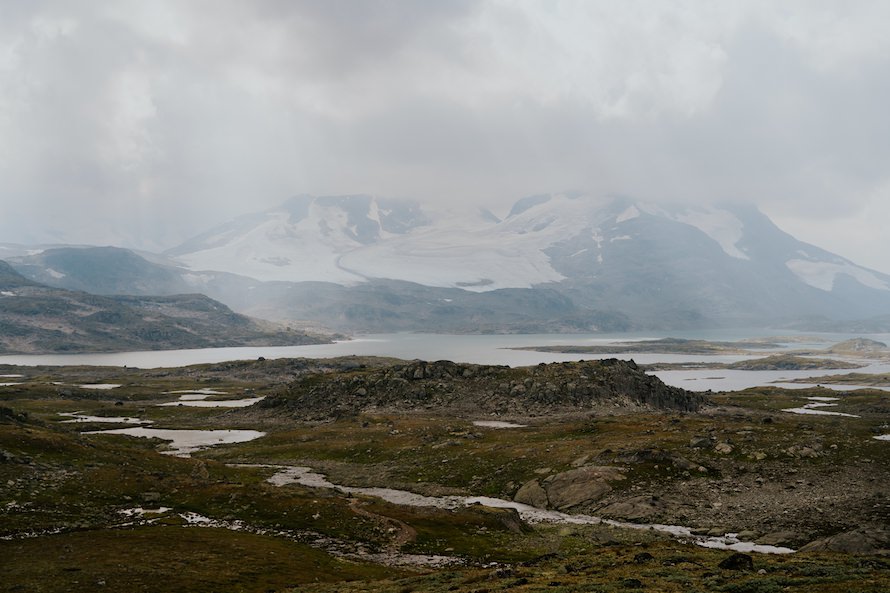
(61,480)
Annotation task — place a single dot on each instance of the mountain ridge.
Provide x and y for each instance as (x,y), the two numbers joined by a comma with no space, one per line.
(570,262)
(37,319)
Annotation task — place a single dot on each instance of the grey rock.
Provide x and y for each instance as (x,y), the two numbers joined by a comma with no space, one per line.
(779,538)
(580,486)
(737,561)
(531,493)
(859,541)
(635,508)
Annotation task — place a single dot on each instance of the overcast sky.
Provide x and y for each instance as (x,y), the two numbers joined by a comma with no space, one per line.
(140,123)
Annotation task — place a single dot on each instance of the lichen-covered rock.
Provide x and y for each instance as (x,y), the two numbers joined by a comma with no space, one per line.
(580,486)
(859,541)
(531,493)
(585,386)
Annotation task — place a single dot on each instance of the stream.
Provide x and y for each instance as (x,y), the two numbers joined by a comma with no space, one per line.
(304,476)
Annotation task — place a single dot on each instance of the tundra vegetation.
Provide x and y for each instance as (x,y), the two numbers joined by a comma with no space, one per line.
(83,512)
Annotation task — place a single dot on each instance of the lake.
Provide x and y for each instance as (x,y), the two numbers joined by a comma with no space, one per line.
(482,349)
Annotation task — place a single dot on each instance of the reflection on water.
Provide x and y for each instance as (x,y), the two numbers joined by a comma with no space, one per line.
(185,442)
(488,349)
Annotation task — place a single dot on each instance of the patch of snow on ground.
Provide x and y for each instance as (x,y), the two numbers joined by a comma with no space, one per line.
(6,293)
(819,402)
(140,512)
(497,424)
(8,384)
(54,273)
(883,437)
(822,275)
(11,376)
(101,386)
(219,403)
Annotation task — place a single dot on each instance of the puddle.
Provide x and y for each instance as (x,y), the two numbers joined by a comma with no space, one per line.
(306,477)
(77,417)
(185,442)
(497,424)
(220,403)
(205,392)
(819,402)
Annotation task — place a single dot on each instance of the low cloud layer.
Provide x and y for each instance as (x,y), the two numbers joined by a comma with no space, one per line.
(140,123)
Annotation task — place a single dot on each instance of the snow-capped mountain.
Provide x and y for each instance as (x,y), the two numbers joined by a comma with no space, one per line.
(349,239)
(303,240)
(562,262)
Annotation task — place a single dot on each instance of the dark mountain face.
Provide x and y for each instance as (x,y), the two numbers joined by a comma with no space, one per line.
(102,270)
(37,319)
(10,279)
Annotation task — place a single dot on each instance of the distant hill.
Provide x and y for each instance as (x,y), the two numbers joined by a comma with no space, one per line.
(40,319)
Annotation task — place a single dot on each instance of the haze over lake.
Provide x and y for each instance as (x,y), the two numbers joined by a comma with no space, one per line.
(487,349)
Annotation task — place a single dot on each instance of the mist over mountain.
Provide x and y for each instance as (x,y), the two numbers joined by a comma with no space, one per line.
(556,262)
(35,318)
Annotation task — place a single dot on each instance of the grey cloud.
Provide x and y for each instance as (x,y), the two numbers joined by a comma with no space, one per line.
(144,122)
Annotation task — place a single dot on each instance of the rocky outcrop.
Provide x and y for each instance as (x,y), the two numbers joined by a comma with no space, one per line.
(606,385)
(859,541)
(570,489)
(533,494)
(635,508)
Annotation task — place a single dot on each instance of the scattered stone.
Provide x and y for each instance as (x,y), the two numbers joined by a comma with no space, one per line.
(737,561)
(723,448)
(643,558)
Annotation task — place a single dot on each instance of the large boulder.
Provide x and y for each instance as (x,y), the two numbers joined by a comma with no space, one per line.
(569,489)
(580,486)
(859,541)
(531,493)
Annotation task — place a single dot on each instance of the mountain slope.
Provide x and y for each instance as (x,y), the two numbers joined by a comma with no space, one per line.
(566,262)
(662,267)
(302,240)
(36,318)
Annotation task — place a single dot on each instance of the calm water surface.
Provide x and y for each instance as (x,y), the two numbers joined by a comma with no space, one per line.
(481,349)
